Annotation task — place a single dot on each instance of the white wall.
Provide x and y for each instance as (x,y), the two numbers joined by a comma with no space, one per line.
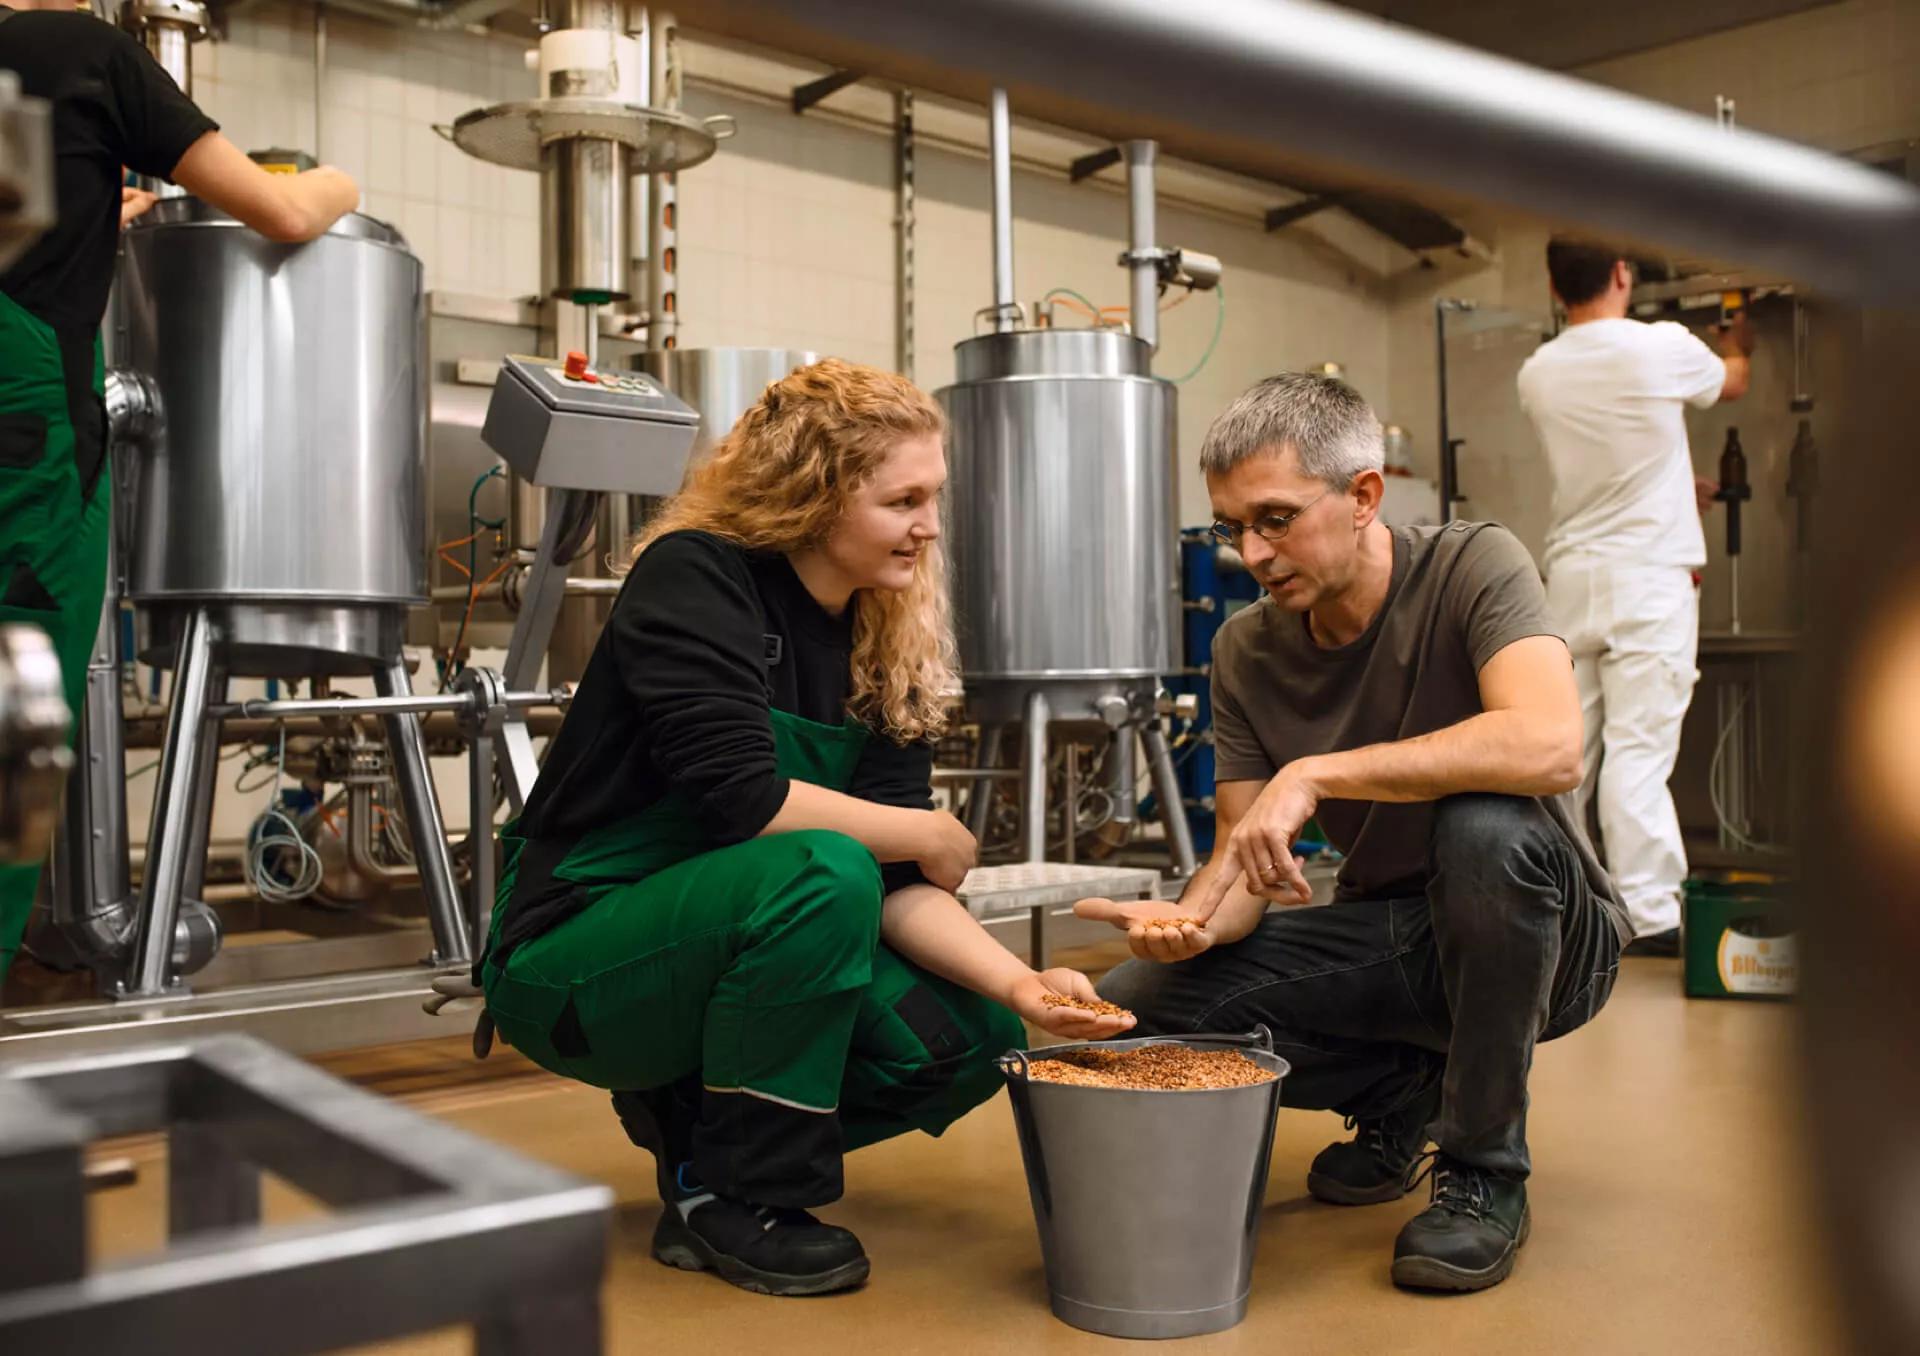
(787,236)
(476,226)
(1839,76)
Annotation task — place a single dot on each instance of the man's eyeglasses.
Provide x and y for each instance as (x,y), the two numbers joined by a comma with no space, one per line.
(1271,528)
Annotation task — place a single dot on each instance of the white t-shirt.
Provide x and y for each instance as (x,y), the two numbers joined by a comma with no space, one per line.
(1605,398)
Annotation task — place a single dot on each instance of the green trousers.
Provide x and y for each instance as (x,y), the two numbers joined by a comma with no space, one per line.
(54,518)
(759,967)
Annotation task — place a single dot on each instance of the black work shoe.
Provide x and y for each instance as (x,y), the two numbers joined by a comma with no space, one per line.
(1372,1166)
(1654,944)
(660,1120)
(766,1249)
(1468,1238)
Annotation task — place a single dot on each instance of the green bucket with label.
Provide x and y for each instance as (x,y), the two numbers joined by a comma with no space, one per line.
(1739,938)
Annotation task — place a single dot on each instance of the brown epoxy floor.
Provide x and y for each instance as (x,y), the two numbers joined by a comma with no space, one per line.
(1665,1196)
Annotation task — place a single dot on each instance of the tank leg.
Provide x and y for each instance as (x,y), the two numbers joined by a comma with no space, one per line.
(1033,792)
(452,941)
(1166,790)
(980,798)
(204,791)
(1126,775)
(481,806)
(90,878)
(170,832)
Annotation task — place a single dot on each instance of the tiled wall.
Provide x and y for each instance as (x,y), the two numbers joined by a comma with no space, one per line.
(474,225)
(787,236)
(1838,76)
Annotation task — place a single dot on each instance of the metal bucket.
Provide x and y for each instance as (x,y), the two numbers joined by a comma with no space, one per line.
(1147,1202)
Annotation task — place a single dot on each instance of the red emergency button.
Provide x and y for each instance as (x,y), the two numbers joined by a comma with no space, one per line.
(576,366)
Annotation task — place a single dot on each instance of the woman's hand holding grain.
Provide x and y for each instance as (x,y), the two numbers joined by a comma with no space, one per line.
(1045,1000)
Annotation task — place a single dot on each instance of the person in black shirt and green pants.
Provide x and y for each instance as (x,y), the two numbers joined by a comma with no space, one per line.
(113,109)
(729,899)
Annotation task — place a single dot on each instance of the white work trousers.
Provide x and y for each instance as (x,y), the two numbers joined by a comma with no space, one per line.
(1634,632)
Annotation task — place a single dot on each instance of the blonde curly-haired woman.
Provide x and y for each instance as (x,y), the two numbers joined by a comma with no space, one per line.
(730,898)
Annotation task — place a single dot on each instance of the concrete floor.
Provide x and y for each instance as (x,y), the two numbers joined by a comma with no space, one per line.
(1665,1197)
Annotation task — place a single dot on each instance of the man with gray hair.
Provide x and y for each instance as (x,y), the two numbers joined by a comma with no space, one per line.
(1405,688)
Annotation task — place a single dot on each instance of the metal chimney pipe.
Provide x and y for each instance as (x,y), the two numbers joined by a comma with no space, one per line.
(1142,256)
(1000,150)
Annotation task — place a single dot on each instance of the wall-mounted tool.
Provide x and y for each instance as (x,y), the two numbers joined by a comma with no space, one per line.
(1803,466)
(1803,482)
(1449,446)
(1734,490)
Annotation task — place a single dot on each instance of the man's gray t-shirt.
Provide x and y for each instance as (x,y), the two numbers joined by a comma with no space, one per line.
(1459,595)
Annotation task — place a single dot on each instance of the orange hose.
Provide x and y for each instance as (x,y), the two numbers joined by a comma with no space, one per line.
(474,597)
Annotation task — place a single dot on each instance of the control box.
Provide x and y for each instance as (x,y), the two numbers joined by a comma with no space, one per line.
(560,423)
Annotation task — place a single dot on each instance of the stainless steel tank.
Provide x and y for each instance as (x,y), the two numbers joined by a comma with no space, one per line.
(1063,522)
(287,487)
(721,383)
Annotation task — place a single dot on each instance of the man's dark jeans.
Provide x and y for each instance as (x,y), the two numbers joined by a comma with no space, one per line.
(1374,1001)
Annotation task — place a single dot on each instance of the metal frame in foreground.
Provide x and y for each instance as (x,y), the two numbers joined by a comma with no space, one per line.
(429,1226)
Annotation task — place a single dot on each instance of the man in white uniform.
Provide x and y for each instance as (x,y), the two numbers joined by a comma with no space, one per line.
(1606,398)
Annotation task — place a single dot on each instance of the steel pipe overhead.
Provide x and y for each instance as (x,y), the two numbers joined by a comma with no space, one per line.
(1143,296)
(1272,87)
(1000,154)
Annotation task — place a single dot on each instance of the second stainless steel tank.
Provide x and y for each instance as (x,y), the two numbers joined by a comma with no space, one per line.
(1063,520)
(721,383)
(287,488)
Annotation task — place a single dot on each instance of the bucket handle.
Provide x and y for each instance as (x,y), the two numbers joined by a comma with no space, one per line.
(1259,1038)
(1015,1064)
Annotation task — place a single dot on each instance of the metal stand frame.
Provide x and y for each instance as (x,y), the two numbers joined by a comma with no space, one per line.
(1038,711)
(545,590)
(429,1226)
(177,842)
(183,806)
(177,807)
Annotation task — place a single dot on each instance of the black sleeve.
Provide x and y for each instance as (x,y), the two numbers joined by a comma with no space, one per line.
(687,636)
(154,122)
(899,775)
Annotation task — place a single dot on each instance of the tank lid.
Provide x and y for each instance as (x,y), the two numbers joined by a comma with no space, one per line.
(1052,353)
(190,210)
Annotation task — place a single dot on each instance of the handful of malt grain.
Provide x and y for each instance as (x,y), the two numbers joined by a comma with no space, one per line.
(1100,1007)
(1173,924)
(1152,1068)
